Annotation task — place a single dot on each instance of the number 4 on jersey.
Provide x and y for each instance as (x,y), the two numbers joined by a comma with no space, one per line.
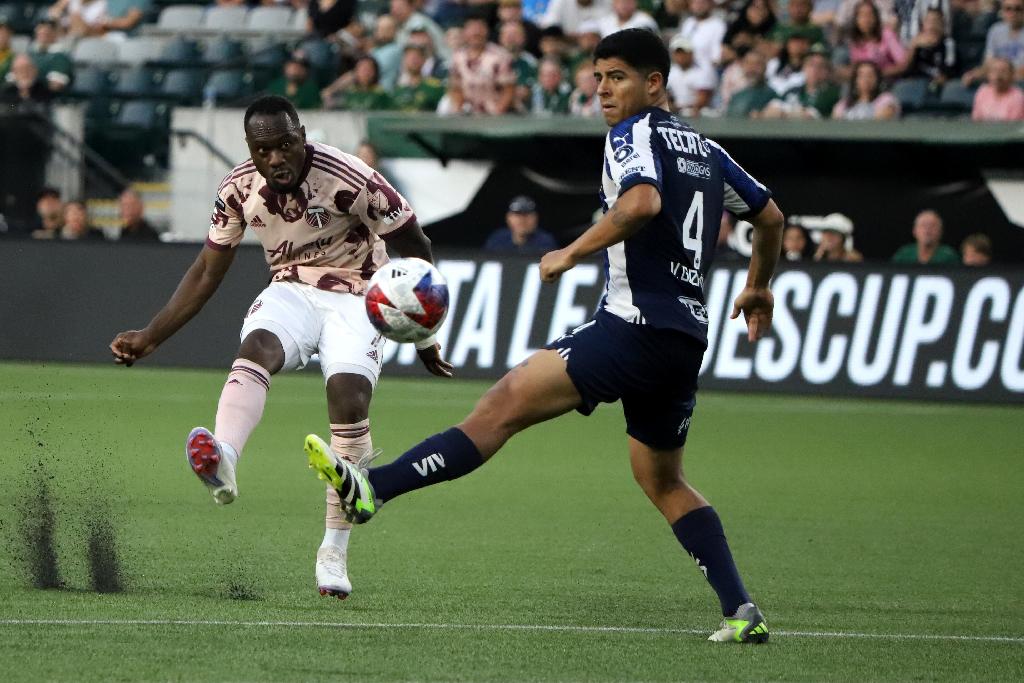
(694,222)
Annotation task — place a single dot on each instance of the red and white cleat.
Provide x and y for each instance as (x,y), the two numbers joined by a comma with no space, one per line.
(332,572)
(213,464)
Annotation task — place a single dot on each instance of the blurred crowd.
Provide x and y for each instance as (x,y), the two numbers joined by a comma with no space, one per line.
(844,59)
(69,220)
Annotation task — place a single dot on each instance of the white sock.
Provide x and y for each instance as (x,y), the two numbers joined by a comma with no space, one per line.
(229,451)
(336,537)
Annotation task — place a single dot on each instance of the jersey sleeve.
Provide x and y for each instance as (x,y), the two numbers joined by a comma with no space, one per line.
(744,196)
(381,208)
(227,224)
(630,156)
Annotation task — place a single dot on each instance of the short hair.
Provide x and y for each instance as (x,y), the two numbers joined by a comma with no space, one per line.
(270,105)
(638,47)
(979,242)
(48,192)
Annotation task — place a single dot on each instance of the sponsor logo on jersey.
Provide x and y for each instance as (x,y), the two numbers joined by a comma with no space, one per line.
(685,141)
(685,273)
(373,355)
(623,153)
(257,305)
(318,217)
(257,222)
(700,314)
(697,169)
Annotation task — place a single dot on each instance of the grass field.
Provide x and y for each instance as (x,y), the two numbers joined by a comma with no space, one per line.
(884,541)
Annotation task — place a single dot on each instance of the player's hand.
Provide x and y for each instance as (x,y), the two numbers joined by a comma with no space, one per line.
(757,304)
(432,361)
(130,346)
(554,263)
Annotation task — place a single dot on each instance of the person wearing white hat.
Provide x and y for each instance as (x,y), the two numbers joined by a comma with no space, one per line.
(691,85)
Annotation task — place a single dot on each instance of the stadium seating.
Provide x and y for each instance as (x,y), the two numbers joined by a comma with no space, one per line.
(95,51)
(224,19)
(180,18)
(141,50)
(956,97)
(135,82)
(229,86)
(183,86)
(179,53)
(268,19)
(90,82)
(223,52)
(912,94)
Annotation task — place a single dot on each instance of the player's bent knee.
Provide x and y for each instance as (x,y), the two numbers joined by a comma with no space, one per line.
(263,347)
(348,397)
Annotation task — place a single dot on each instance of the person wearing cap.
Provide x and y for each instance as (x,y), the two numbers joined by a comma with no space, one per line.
(570,14)
(815,99)
(927,248)
(521,234)
(691,85)
(6,52)
(624,14)
(414,91)
(833,232)
(295,83)
(50,57)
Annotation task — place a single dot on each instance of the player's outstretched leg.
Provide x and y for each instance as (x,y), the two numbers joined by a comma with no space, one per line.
(699,530)
(213,464)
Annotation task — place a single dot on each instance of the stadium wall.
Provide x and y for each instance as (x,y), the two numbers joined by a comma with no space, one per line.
(852,330)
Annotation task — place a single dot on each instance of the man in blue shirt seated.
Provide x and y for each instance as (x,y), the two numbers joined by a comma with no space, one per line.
(522,235)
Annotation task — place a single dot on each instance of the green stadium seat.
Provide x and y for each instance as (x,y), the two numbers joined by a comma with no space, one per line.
(183,86)
(179,53)
(147,115)
(230,85)
(223,52)
(90,82)
(135,82)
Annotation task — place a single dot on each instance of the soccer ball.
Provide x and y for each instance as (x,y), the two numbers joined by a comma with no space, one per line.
(407,300)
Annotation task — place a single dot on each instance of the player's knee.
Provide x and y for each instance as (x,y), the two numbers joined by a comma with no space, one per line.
(348,397)
(264,348)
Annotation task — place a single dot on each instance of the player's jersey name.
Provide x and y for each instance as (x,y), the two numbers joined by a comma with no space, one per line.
(327,232)
(656,277)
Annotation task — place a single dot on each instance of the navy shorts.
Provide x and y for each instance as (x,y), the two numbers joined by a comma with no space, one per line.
(652,371)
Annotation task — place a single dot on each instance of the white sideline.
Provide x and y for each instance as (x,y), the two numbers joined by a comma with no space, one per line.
(496,627)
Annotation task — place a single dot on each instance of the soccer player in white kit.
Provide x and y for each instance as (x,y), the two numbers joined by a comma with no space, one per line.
(323,218)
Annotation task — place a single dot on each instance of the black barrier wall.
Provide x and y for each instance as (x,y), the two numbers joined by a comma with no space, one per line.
(851,330)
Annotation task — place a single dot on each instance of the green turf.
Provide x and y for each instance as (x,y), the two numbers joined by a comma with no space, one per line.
(845,516)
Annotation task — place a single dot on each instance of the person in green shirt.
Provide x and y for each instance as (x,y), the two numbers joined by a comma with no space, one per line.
(50,58)
(295,83)
(6,53)
(512,37)
(359,89)
(550,92)
(927,248)
(414,91)
(799,24)
(815,99)
(749,102)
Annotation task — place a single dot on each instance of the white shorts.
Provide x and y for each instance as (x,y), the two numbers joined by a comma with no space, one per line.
(308,320)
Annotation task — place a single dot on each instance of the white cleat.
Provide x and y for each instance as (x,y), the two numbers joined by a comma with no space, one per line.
(213,463)
(332,571)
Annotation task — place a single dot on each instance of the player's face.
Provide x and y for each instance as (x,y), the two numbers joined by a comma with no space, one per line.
(623,90)
(278,149)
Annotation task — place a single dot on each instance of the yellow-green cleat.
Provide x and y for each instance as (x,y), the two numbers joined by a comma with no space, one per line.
(746,626)
(350,481)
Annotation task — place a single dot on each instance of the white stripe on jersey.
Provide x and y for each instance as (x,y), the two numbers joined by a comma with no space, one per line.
(618,298)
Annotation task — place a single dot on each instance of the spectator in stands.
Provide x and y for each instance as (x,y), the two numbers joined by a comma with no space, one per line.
(481,79)
(6,51)
(569,14)
(706,32)
(368,154)
(80,17)
(976,250)
(815,99)
(927,247)
(550,94)
(866,99)
(76,224)
(50,210)
(999,99)
(754,23)
(123,16)
(512,11)
(868,40)
(584,100)
(414,91)
(1005,39)
(748,102)
(359,89)
(134,226)
(512,37)
(409,19)
(847,11)
(50,58)
(970,24)
(433,66)
(786,71)
(586,42)
(690,85)
(669,14)
(296,83)
(835,240)
(327,17)
(23,85)
(554,44)
(799,23)
(521,234)
(624,14)
(932,53)
(794,243)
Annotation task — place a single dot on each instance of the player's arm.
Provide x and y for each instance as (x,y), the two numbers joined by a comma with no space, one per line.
(755,300)
(410,242)
(197,286)
(631,211)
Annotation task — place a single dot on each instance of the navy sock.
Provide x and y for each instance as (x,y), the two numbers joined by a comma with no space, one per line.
(701,535)
(442,457)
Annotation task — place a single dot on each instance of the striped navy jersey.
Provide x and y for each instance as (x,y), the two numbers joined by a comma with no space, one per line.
(656,277)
